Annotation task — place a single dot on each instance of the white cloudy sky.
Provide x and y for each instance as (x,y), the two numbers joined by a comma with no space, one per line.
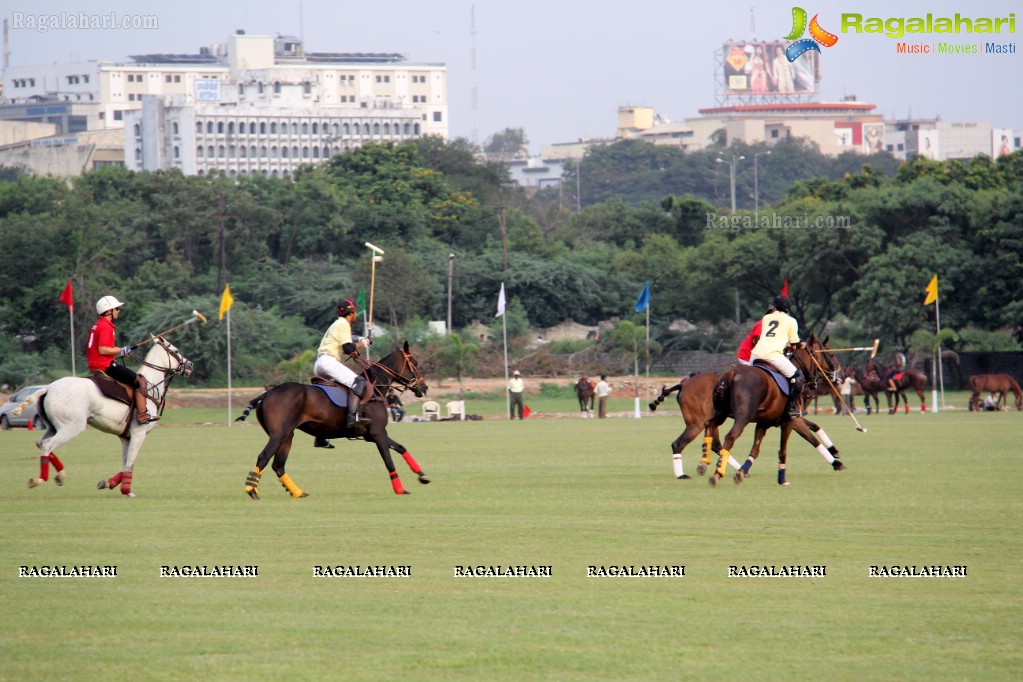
(561,68)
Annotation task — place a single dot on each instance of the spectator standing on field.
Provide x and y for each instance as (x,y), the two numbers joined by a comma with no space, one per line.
(516,388)
(603,390)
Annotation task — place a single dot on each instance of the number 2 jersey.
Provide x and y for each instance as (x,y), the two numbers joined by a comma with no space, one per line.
(778,330)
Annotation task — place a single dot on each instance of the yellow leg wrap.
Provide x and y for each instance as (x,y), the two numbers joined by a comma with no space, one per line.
(707,441)
(722,463)
(252,480)
(290,486)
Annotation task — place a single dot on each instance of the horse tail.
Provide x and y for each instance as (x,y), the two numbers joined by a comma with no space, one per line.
(665,392)
(29,400)
(253,404)
(722,395)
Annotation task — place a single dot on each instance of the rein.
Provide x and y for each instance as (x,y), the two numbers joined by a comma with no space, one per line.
(155,393)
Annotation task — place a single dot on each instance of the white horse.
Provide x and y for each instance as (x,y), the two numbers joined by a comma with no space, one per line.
(69,405)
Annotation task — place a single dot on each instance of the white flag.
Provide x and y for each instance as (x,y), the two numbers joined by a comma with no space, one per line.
(500,302)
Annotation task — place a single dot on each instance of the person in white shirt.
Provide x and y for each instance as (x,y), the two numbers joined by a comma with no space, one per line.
(603,390)
(777,332)
(516,387)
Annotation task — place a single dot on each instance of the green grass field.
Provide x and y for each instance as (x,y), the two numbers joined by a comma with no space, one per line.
(920,489)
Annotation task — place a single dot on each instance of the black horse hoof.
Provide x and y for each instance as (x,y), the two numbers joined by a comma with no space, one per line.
(837,465)
(253,494)
(683,477)
(424,479)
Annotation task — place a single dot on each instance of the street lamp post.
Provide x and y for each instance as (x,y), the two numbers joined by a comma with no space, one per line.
(756,179)
(731,164)
(451,272)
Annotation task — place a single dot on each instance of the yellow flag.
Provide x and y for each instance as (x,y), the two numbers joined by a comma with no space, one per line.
(932,291)
(226,301)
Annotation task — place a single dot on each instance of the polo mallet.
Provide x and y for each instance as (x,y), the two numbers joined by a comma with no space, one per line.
(196,315)
(378,256)
(826,378)
(872,349)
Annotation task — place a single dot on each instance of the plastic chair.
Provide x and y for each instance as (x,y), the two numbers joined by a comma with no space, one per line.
(431,410)
(456,409)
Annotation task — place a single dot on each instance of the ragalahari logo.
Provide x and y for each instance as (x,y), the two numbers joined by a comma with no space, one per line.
(817,35)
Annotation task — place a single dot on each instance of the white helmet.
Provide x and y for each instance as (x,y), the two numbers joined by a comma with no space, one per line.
(107,303)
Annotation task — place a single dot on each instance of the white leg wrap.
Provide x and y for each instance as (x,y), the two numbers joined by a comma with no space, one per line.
(734,464)
(823,437)
(676,462)
(825,454)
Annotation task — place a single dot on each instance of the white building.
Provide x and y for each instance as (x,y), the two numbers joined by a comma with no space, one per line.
(249,105)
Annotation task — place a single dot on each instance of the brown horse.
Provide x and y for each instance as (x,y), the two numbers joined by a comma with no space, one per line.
(994,383)
(694,399)
(903,379)
(870,384)
(747,394)
(307,408)
(584,391)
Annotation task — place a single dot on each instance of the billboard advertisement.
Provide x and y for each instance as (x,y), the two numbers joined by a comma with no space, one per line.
(873,138)
(1001,142)
(761,68)
(927,144)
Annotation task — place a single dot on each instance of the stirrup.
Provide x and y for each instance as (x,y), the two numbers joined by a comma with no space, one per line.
(144,418)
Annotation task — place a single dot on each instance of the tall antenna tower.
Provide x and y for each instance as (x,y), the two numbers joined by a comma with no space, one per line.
(474,93)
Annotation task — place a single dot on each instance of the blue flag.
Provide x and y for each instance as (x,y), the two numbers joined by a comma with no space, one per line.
(643,302)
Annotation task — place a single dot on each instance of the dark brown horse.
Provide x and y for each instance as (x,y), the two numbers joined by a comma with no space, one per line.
(870,384)
(748,395)
(695,401)
(307,408)
(1000,384)
(584,391)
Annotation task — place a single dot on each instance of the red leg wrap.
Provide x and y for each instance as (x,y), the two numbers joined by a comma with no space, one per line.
(115,480)
(399,489)
(126,483)
(44,468)
(57,464)
(412,463)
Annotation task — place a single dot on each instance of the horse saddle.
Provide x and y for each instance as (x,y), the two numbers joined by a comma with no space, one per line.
(114,390)
(337,393)
(782,382)
(898,376)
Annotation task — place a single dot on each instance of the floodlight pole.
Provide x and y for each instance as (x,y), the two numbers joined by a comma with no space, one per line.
(731,164)
(756,180)
(451,272)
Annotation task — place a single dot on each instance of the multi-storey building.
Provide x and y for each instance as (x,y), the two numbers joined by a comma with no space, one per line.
(256,104)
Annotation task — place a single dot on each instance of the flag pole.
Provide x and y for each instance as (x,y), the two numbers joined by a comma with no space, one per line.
(941,373)
(229,410)
(71,312)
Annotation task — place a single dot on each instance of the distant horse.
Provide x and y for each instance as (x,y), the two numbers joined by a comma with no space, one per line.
(747,394)
(870,384)
(69,405)
(584,391)
(695,401)
(903,379)
(291,406)
(994,383)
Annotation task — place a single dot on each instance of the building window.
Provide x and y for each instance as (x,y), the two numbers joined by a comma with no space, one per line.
(252,151)
(177,152)
(231,152)
(262,127)
(138,154)
(346,128)
(436,117)
(174,128)
(273,127)
(294,128)
(273,152)
(294,152)
(252,128)
(316,152)
(118,115)
(198,127)
(177,79)
(305,128)
(138,130)
(259,88)
(220,127)
(230,128)
(221,151)
(241,89)
(198,151)
(167,78)
(262,151)
(210,151)
(277,87)
(284,152)
(307,89)
(316,128)
(326,152)
(209,127)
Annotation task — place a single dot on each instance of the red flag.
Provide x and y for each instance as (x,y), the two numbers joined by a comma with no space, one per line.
(67,297)
(526,411)
(785,287)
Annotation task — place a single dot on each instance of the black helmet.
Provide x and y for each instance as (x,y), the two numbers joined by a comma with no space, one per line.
(345,307)
(783,303)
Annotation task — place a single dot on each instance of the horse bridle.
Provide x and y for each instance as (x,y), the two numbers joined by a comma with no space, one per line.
(398,377)
(184,368)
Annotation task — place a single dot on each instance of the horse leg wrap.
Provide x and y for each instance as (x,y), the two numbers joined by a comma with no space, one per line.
(44,468)
(746,466)
(290,486)
(781,474)
(399,489)
(412,463)
(115,480)
(252,480)
(59,466)
(126,483)
(707,442)
(722,462)
(825,453)
(676,463)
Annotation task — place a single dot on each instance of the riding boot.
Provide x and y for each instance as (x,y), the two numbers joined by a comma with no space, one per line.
(323,443)
(792,409)
(142,415)
(354,400)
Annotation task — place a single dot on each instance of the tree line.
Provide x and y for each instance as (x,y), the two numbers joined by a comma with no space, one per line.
(857,238)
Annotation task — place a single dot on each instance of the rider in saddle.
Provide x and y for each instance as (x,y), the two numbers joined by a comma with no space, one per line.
(778,331)
(900,365)
(102,353)
(746,347)
(329,364)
